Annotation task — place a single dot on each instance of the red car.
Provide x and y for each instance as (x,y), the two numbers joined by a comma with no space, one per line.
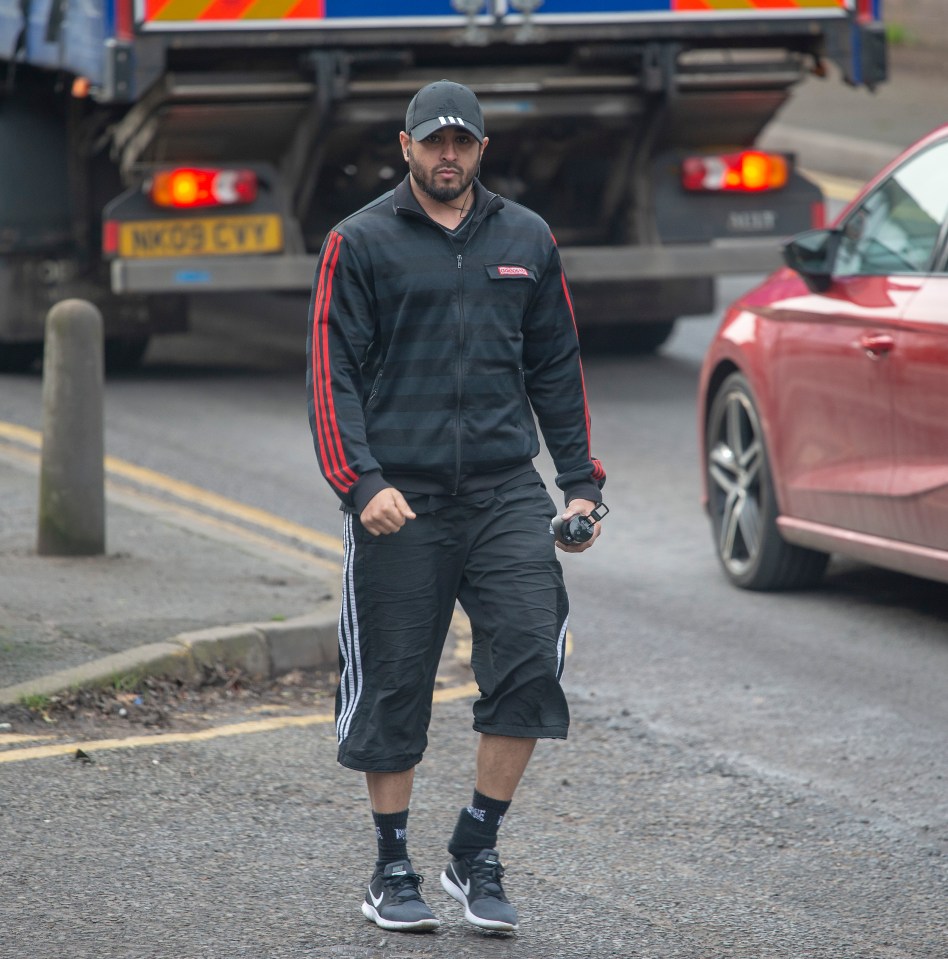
(823,399)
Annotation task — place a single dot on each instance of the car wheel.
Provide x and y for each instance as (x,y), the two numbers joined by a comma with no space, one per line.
(742,502)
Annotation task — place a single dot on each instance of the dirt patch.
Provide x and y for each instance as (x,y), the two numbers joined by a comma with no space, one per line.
(160,704)
(152,704)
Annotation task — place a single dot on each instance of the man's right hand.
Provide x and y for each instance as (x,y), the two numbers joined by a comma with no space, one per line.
(386,512)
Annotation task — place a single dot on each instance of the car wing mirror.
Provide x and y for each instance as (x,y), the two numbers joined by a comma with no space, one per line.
(812,255)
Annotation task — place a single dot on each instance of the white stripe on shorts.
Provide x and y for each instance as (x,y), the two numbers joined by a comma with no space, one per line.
(350,678)
(561,648)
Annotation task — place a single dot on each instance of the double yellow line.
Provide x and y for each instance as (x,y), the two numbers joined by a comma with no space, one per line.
(268,725)
(127,479)
(199,506)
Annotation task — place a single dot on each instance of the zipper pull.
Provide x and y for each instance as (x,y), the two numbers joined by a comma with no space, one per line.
(459,261)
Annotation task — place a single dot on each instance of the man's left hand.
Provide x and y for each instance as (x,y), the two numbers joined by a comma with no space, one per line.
(579,507)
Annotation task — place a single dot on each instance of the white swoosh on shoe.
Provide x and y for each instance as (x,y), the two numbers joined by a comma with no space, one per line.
(465,887)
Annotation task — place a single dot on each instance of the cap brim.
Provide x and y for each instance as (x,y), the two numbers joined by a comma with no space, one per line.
(427,127)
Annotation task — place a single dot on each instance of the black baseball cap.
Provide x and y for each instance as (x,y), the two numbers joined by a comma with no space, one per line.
(444,104)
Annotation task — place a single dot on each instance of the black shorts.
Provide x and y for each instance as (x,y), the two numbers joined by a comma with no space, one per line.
(496,557)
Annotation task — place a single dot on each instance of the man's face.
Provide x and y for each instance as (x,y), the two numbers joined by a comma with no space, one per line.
(445,163)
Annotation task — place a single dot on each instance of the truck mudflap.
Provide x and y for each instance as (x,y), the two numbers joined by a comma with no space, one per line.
(582,264)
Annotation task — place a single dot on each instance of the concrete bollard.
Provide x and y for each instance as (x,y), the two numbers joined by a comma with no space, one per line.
(72,472)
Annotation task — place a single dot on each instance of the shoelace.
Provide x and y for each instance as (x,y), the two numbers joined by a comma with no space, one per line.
(405,885)
(488,875)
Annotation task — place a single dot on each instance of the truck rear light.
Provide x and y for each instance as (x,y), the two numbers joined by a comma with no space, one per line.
(124,20)
(747,172)
(189,187)
(867,10)
(110,234)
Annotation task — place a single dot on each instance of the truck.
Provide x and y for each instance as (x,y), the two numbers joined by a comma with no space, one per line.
(153,152)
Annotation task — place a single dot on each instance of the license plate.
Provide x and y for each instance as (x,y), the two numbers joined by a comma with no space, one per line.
(208,236)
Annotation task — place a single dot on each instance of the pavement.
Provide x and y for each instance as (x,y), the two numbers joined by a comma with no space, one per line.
(188,582)
(181,588)
(853,132)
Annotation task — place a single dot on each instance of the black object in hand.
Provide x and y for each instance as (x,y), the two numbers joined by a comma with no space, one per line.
(578,529)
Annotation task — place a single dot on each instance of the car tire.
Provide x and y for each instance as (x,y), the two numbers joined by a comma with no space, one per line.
(741,500)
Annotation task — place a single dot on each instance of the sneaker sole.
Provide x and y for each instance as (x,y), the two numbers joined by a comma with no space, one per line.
(419,925)
(456,892)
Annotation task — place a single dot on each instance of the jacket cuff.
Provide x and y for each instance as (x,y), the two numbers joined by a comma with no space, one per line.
(366,487)
(588,491)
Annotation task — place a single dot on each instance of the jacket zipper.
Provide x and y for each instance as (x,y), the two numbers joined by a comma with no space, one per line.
(375,388)
(460,378)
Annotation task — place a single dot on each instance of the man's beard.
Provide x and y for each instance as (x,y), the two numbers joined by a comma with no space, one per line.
(443,194)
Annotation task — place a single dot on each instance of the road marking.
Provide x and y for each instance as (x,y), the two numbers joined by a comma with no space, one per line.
(136,499)
(190,493)
(127,493)
(194,495)
(8,739)
(197,496)
(224,505)
(252,727)
(221,504)
(22,434)
(11,453)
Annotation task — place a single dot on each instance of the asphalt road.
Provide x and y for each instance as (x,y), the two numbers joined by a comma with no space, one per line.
(747,776)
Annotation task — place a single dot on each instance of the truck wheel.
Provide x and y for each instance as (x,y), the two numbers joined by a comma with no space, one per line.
(123,354)
(637,339)
(742,502)
(19,357)
(645,337)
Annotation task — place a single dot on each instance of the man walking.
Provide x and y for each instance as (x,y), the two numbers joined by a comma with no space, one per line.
(440,323)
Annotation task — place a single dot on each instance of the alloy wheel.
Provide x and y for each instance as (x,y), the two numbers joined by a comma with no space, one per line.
(735,462)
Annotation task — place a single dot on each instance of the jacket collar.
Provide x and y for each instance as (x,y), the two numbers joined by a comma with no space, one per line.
(485,202)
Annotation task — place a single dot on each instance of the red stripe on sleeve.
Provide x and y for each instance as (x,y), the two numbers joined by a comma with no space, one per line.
(320,362)
(582,377)
(337,470)
(345,470)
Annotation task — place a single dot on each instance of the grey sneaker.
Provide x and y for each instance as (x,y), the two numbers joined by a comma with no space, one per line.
(394,902)
(475,882)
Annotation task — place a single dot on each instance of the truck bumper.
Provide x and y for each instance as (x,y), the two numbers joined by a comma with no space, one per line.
(213,274)
(680,262)
(614,264)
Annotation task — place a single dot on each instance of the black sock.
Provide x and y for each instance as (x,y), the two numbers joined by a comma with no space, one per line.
(391,831)
(477,826)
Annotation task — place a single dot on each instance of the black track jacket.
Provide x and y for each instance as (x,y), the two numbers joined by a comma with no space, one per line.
(425,356)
